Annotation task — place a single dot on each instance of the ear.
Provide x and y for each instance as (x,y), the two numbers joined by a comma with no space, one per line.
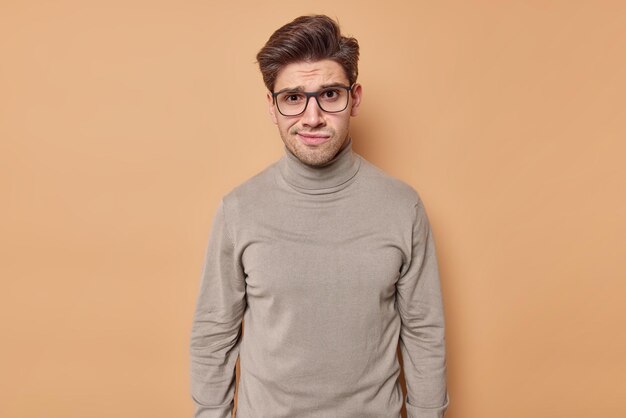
(271,107)
(357,94)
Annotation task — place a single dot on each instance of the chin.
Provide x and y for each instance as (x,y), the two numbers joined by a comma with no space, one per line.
(317,157)
(314,156)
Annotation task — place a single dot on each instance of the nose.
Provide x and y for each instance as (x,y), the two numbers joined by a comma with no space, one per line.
(313,116)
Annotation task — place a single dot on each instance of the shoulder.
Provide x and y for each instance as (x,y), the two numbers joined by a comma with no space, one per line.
(252,192)
(386,187)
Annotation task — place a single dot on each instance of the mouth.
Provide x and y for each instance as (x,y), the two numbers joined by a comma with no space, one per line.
(312,138)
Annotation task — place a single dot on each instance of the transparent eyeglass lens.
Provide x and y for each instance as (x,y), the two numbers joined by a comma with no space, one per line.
(330,100)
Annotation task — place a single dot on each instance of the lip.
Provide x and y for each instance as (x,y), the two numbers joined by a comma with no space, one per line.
(312,139)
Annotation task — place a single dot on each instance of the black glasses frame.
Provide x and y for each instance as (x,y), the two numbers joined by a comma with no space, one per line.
(315,95)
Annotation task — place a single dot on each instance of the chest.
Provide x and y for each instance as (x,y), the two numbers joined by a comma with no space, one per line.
(293,259)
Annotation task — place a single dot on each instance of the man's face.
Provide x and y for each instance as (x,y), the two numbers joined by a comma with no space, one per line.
(315,136)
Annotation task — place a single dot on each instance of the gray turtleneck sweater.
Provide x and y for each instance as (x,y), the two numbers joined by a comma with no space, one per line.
(330,268)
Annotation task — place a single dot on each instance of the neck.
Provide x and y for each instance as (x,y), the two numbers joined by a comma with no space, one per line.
(327,178)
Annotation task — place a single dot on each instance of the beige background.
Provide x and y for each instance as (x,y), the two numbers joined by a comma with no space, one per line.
(122,123)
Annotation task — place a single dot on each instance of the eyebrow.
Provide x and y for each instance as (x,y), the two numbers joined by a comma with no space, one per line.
(300,89)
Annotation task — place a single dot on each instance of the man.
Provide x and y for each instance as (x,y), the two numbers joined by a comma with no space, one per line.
(328,261)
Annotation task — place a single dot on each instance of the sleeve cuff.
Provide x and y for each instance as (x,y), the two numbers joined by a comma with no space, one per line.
(413,411)
(217,412)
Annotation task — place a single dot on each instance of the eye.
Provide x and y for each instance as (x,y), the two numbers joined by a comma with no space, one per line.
(292,98)
(330,94)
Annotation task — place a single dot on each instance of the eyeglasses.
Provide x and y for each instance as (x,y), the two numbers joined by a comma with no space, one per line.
(332,99)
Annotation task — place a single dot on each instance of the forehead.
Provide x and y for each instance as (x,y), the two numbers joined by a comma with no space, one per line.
(310,75)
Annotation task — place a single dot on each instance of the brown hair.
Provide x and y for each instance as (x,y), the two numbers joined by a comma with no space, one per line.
(308,38)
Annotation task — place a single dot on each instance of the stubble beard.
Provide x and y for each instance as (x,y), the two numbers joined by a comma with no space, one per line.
(314,156)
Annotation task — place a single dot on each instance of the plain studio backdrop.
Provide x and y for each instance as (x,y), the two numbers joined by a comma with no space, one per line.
(122,124)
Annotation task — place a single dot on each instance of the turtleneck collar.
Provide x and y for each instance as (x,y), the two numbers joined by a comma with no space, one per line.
(328,178)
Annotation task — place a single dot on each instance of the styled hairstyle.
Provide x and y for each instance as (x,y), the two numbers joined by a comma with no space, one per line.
(308,38)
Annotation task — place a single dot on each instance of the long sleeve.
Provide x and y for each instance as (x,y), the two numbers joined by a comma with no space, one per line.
(216,330)
(422,336)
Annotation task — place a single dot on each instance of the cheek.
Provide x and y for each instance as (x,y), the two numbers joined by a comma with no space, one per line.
(341,124)
(285,125)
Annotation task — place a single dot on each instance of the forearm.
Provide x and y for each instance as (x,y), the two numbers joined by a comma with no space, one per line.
(422,345)
(214,352)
